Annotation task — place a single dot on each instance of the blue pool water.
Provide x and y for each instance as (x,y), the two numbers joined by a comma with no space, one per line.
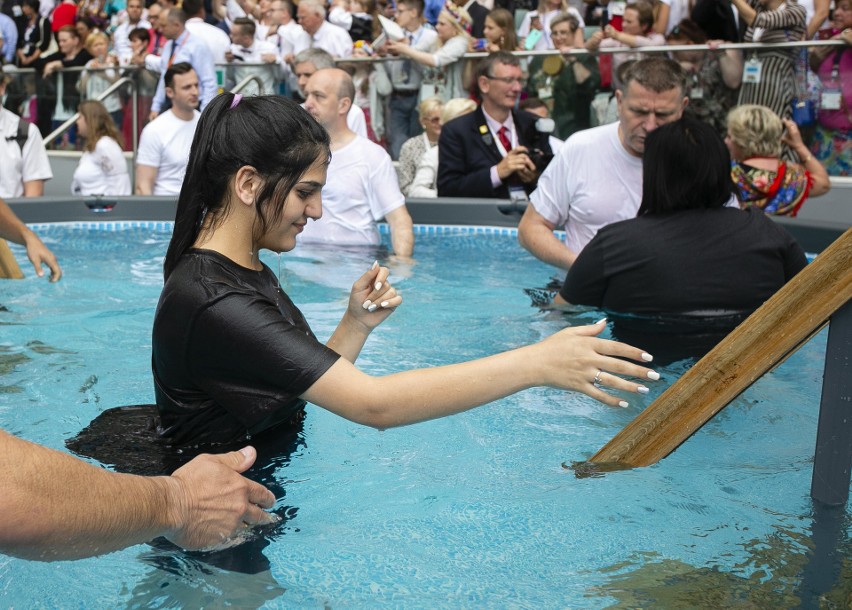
(470,511)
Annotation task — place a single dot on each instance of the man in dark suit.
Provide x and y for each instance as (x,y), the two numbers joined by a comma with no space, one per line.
(494,151)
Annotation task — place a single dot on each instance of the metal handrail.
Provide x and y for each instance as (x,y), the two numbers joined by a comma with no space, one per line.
(625,49)
(69,122)
(244,83)
(134,96)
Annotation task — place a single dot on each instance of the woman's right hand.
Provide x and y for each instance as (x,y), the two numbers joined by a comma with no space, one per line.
(792,137)
(373,298)
(575,359)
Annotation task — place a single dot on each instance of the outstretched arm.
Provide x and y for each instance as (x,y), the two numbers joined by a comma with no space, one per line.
(14,230)
(46,517)
(570,360)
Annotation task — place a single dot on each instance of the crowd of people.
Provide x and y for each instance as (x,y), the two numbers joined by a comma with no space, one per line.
(78,50)
(684,144)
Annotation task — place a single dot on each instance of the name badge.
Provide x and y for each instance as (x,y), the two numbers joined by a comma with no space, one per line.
(831,99)
(696,93)
(517,194)
(752,70)
(545,93)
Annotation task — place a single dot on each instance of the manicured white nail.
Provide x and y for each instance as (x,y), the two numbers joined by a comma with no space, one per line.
(642,389)
(375,264)
(623,404)
(647,357)
(372,307)
(602,320)
(385,303)
(378,285)
(653,375)
(367,304)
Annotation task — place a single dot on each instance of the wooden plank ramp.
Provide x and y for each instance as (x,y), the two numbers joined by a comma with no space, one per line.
(765,339)
(9,269)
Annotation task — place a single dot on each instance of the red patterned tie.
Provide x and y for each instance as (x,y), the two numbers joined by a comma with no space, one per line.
(503,134)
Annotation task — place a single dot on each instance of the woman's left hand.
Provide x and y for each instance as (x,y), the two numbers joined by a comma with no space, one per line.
(373,298)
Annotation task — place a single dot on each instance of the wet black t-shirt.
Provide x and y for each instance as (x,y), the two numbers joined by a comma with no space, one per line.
(708,260)
(231,352)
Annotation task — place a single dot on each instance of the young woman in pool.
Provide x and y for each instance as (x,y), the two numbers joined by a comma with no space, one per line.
(233,356)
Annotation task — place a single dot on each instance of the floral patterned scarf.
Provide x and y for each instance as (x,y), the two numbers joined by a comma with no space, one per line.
(780,192)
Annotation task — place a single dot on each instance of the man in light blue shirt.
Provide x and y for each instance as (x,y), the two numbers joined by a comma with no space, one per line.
(183,47)
(9,32)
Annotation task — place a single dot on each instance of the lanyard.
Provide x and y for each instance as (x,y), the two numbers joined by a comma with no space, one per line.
(175,50)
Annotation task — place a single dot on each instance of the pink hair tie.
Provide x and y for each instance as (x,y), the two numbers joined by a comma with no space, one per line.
(235,101)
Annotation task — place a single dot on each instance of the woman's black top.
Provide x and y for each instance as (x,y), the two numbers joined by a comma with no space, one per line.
(721,259)
(231,352)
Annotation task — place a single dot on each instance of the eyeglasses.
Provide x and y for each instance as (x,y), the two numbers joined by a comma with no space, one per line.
(509,80)
(435,120)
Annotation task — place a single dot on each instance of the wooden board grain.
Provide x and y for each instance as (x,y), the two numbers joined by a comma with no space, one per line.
(762,341)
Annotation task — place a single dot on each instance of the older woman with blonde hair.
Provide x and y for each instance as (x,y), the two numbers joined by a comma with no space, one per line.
(101,73)
(444,74)
(414,148)
(425,179)
(541,20)
(102,169)
(762,179)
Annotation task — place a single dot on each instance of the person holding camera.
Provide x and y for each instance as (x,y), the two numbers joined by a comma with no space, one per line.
(495,151)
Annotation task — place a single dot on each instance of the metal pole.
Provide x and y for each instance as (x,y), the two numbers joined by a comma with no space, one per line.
(833,457)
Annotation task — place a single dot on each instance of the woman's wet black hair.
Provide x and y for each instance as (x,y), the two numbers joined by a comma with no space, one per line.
(271,133)
(686,165)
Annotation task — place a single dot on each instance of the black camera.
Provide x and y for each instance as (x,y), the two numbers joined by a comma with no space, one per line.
(540,159)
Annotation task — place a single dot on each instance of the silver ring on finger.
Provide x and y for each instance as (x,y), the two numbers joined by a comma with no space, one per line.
(597,379)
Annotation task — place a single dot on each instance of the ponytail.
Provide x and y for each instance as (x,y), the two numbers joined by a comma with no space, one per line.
(273,134)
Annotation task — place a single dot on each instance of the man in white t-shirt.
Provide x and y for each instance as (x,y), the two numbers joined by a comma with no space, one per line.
(596,177)
(361,187)
(165,141)
(24,166)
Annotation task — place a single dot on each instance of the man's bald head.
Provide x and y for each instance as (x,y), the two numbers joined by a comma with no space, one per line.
(329,96)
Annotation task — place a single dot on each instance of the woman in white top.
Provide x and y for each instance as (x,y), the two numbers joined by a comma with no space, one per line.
(540,20)
(101,73)
(444,76)
(414,148)
(637,30)
(103,168)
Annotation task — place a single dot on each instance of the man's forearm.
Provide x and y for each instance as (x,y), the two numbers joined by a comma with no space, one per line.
(11,227)
(550,250)
(539,240)
(46,517)
(402,232)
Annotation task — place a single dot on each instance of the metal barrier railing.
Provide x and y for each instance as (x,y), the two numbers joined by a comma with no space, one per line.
(246,81)
(129,80)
